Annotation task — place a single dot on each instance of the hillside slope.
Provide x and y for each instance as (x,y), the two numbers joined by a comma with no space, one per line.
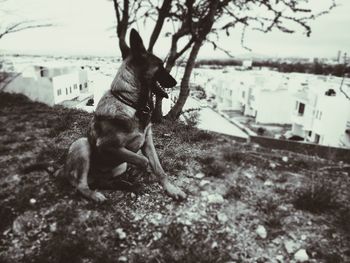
(245,203)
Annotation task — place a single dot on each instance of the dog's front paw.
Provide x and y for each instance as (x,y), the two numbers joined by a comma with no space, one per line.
(174,191)
(98,197)
(143,162)
(92,195)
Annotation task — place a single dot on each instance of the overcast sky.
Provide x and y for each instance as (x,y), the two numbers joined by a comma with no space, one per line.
(83,27)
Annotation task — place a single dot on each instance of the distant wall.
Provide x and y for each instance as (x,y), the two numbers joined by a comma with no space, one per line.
(38,90)
(332,153)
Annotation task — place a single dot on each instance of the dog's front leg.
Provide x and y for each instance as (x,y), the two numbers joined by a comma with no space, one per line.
(121,155)
(149,151)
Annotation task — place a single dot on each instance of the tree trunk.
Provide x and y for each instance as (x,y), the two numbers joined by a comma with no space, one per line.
(207,21)
(163,13)
(175,111)
(173,56)
(157,115)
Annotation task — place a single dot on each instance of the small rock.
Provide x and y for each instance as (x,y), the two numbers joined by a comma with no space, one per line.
(155,218)
(268,183)
(122,259)
(32,201)
(272,165)
(204,182)
(25,222)
(215,199)
(214,245)
(27,139)
(204,193)
(199,175)
(13,179)
(133,195)
(248,175)
(6,231)
(285,159)
(303,237)
(222,217)
(261,232)
(84,215)
(301,256)
(157,236)
(283,208)
(291,246)
(276,241)
(120,232)
(279,258)
(53,227)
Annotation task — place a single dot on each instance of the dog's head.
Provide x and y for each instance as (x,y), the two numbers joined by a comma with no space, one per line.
(150,67)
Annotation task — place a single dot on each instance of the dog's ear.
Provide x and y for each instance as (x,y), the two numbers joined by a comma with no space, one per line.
(136,44)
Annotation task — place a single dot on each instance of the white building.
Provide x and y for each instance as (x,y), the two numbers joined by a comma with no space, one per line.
(50,84)
(274,106)
(322,112)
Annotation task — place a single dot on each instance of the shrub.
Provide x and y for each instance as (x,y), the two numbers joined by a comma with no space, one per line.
(318,196)
(261,131)
(60,123)
(212,166)
(191,116)
(231,155)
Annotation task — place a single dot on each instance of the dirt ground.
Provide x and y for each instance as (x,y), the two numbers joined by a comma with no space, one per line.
(245,203)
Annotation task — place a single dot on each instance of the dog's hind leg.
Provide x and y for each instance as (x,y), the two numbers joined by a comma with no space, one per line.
(77,169)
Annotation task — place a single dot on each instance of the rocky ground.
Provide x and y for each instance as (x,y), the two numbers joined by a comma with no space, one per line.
(245,203)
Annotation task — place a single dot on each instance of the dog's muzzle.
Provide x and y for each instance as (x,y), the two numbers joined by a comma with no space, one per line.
(162,80)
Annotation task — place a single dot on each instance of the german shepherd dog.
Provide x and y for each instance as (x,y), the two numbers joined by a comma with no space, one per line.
(121,126)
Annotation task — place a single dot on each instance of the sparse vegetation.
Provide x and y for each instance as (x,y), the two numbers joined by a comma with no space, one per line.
(44,219)
(318,196)
(212,166)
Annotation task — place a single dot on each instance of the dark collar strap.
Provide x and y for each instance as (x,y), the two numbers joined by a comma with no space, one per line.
(124,99)
(143,113)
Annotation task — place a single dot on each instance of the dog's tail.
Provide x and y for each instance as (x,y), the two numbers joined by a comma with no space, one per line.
(49,167)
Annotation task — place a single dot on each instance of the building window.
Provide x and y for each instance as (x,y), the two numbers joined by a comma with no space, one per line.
(317,138)
(66,91)
(80,87)
(41,71)
(320,115)
(75,86)
(70,89)
(310,133)
(243,94)
(301,109)
(86,84)
(59,92)
(296,105)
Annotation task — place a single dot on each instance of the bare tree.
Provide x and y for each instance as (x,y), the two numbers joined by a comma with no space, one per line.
(198,21)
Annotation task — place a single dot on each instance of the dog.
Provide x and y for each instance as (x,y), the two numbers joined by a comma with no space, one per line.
(121,127)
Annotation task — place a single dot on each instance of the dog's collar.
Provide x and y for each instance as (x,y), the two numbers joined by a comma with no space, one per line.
(143,113)
(124,99)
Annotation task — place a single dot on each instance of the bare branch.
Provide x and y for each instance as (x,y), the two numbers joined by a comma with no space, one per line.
(243,38)
(163,13)
(24,25)
(216,47)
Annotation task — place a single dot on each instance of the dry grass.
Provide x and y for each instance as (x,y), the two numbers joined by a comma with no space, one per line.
(67,228)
